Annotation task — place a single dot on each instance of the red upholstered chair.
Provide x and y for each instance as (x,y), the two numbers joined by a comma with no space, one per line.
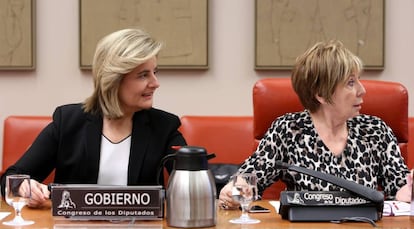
(229,137)
(18,134)
(273,97)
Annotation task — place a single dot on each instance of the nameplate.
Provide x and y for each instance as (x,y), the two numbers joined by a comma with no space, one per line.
(97,202)
(317,198)
(326,206)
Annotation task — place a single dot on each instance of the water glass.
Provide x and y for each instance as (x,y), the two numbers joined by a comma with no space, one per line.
(244,191)
(17,195)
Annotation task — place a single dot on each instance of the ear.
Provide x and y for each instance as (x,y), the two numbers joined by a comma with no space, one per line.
(320,99)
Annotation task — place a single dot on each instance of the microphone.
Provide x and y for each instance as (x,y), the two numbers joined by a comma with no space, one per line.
(360,190)
(359,202)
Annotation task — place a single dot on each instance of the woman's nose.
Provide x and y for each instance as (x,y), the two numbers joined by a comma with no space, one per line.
(154,81)
(361,89)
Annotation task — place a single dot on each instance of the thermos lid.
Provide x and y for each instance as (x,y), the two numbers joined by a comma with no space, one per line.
(191,151)
(191,158)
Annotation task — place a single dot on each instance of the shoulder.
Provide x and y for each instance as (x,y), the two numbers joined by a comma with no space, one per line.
(70,108)
(368,125)
(69,114)
(157,113)
(297,118)
(154,113)
(296,121)
(69,111)
(158,117)
(367,121)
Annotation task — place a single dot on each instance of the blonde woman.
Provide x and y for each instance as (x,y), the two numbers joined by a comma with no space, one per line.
(115,137)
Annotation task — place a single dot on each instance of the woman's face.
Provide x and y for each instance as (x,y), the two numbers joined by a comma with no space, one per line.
(347,98)
(137,88)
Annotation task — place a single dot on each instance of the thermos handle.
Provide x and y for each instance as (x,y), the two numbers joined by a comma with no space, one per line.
(210,156)
(162,164)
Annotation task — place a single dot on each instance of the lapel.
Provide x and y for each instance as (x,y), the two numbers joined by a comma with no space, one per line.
(139,144)
(93,145)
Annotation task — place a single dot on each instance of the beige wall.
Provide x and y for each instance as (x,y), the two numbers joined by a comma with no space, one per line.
(223,89)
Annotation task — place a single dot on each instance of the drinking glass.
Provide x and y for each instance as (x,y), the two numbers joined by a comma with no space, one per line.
(17,195)
(244,191)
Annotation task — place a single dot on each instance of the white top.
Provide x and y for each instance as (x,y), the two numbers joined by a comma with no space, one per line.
(113,164)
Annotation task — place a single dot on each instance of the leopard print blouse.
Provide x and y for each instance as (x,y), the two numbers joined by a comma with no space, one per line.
(371,156)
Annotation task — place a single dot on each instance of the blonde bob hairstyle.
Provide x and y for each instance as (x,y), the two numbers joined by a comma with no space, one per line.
(320,70)
(116,55)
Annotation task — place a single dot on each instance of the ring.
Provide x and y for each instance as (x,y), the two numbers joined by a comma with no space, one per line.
(224,204)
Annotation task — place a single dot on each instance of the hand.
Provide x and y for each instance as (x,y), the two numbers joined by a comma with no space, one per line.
(404,194)
(242,188)
(226,200)
(40,195)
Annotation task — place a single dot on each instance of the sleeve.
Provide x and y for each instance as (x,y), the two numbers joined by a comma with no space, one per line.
(175,139)
(166,137)
(38,160)
(393,170)
(262,161)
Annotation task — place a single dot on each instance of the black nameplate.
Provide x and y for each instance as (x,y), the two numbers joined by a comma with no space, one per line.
(316,198)
(108,202)
(326,206)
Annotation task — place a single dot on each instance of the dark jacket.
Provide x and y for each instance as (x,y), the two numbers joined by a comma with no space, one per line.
(71,145)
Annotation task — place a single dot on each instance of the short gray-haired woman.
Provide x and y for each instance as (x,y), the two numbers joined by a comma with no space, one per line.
(330,135)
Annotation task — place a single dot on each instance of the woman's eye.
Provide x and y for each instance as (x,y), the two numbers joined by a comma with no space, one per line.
(142,75)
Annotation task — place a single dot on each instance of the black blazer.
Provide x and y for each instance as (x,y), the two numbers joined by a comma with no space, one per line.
(71,145)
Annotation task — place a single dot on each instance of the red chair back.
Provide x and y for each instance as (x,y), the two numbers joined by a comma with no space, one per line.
(19,134)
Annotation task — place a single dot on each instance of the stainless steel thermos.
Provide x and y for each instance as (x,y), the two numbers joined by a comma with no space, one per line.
(191,189)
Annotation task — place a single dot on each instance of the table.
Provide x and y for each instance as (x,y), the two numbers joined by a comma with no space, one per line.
(43,219)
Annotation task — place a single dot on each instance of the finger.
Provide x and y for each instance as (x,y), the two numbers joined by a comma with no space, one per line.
(227,196)
(222,204)
(24,188)
(37,201)
(38,191)
(232,204)
(34,203)
(36,198)
(37,195)
(226,203)
(45,191)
